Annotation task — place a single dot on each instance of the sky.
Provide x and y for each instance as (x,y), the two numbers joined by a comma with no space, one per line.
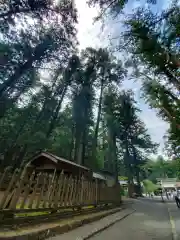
(92,35)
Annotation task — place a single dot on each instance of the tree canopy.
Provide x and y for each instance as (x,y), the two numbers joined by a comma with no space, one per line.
(151,42)
(56,98)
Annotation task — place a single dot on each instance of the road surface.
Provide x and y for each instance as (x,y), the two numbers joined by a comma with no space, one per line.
(151,220)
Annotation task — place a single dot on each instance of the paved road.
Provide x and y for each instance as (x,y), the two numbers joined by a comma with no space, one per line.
(174,213)
(150,221)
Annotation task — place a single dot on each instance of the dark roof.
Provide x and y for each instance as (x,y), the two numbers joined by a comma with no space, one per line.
(104,171)
(56,159)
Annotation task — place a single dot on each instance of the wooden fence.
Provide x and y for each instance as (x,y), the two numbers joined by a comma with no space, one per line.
(22,192)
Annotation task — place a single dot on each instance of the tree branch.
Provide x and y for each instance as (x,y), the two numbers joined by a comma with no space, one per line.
(26,10)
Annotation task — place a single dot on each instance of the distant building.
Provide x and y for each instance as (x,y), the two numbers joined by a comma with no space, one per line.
(105,176)
(167,183)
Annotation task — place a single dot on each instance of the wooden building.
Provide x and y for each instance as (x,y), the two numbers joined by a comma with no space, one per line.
(106,177)
(47,162)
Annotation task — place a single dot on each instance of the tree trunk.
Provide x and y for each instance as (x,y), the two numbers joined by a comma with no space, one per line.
(103,141)
(72,143)
(79,154)
(172,78)
(19,159)
(129,171)
(115,159)
(55,115)
(109,154)
(84,136)
(84,143)
(113,153)
(77,145)
(39,51)
(138,182)
(139,190)
(18,73)
(98,121)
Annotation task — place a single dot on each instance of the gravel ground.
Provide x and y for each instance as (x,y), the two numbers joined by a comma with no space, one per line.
(150,221)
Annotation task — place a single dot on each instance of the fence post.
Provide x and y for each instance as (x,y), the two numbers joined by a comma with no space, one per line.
(47,188)
(91,186)
(66,197)
(96,193)
(53,191)
(51,187)
(27,190)
(63,191)
(59,189)
(9,190)
(75,191)
(33,196)
(5,173)
(71,190)
(82,189)
(41,193)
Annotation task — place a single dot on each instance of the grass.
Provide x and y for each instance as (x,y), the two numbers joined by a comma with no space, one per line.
(31,214)
(37,213)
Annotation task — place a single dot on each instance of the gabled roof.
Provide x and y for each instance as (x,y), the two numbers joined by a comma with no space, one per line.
(98,176)
(106,172)
(55,159)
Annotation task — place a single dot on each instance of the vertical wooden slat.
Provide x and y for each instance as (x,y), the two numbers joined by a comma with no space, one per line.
(17,192)
(8,191)
(53,192)
(87,192)
(39,198)
(63,191)
(90,192)
(72,185)
(78,192)
(4,176)
(43,192)
(74,191)
(50,191)
(87,200)
(82,190)
(33,195)
(27,190)
(59,190)
(47,188)
(51,178)
(66,203)
(96,191)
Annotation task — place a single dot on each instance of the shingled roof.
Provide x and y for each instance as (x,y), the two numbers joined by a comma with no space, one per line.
(55,160)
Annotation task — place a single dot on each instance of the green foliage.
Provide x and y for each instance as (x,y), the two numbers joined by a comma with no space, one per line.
(111,7)
(152,41)
(160,168)
(122,178)
(178,167)
(125,129)
(49,91)
(149,186)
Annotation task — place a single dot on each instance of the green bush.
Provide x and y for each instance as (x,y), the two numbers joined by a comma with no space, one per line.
(149,186)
